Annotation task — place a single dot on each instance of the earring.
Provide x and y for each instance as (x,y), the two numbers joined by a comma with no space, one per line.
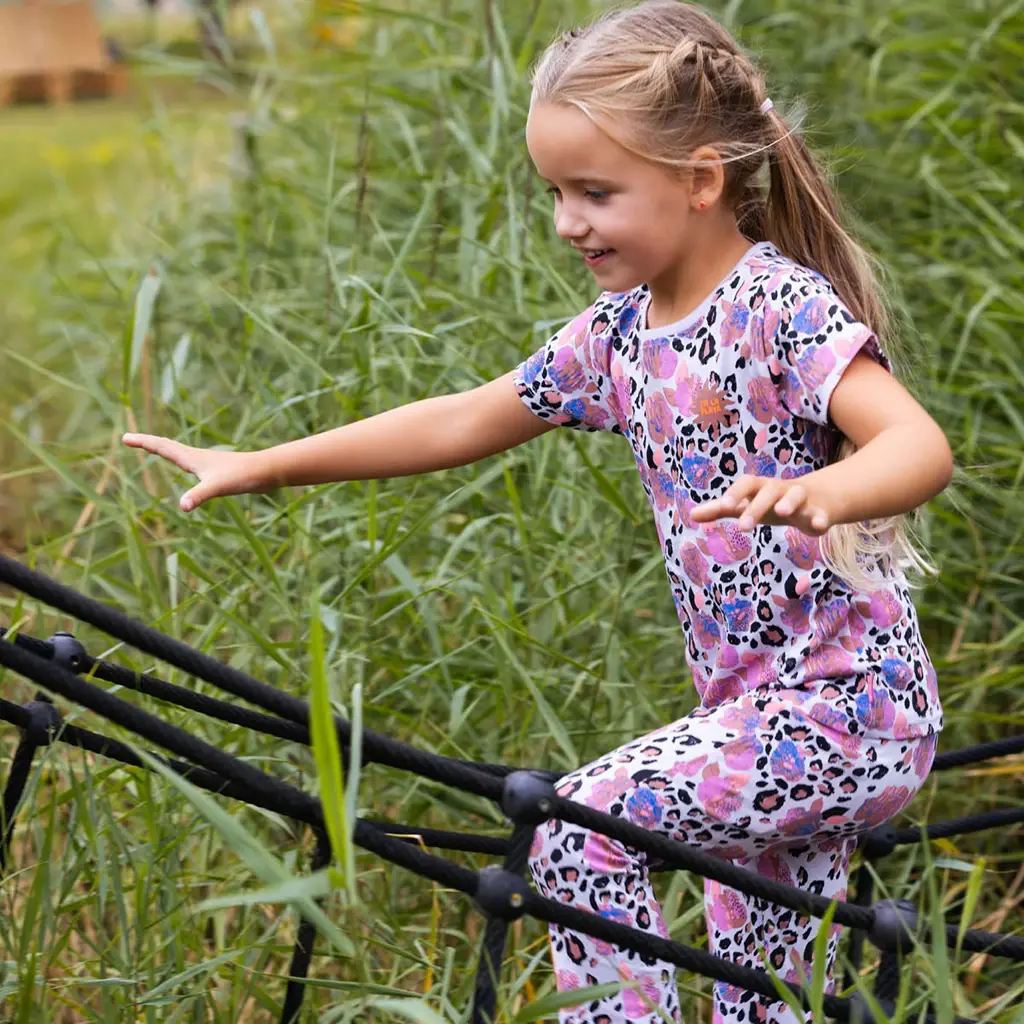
(702,204)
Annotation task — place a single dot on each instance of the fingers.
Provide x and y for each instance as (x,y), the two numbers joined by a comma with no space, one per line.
(174,451)
(735,500)
(795,507)
(819,521)
(194,498)
(181,455)
(753,500)
(785,502)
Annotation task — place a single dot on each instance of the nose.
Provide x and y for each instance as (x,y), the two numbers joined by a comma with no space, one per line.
(568,223)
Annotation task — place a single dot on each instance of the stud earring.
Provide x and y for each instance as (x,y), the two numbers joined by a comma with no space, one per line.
(702,204)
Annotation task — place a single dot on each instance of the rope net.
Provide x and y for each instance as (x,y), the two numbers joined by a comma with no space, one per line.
(526,796)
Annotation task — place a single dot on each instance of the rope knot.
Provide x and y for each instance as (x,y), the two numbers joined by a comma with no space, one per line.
(67,651)
(896,925)
(501,894)
(44,721)
(879,842)
(527,797)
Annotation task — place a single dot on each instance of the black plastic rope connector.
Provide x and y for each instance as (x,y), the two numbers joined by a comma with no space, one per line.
(67,651)
(527,797)
(501,893)
(44,721)
(879,842)
(896,925)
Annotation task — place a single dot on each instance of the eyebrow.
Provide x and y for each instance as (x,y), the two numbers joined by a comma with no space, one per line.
(604,182)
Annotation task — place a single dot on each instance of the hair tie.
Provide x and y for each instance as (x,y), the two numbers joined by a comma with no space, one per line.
(766,106)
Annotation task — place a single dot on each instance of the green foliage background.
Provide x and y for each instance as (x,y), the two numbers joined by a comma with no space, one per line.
(388,243)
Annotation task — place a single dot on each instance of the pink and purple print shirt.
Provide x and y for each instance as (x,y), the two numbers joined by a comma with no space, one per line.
(742,385)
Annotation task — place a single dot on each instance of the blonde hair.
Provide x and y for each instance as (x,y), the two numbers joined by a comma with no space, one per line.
(664,78)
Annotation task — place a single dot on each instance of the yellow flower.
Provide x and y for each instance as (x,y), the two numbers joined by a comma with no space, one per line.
(100,153)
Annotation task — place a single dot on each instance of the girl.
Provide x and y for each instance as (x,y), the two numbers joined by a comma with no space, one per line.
(737,343)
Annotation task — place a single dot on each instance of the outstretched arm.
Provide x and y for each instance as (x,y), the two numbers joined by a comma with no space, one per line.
(903,460)
(436,433)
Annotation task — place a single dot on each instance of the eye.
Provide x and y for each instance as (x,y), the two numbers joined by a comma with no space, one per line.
(595,195)
(553,191)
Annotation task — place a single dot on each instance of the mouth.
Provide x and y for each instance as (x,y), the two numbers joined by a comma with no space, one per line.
(592,257)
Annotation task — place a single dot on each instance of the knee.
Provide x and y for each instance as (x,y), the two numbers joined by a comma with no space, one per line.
(567,861)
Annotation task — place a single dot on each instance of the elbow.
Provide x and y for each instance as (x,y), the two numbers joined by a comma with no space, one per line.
(944,462)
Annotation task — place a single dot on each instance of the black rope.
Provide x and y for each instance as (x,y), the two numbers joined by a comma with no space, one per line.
(680,855)
(393,849)
(82,663)
(887,978)
(466,776)
(39,722)
(281,728)
(59,680)
(654,946)
(975,941)
(18,715)
(978,752)
(303,953)
(958,826)
(441,839)
(201,777)
(500,891)
(269,725)
(492,947)
(864,893)
(594,925)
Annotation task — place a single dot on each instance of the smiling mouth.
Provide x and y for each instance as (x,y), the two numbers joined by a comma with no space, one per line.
(593,255)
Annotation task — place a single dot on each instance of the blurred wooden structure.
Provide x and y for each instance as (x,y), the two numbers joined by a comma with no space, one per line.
(53,49)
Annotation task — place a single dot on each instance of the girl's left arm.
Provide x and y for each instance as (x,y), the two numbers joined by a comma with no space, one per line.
(903,457)
(903,460)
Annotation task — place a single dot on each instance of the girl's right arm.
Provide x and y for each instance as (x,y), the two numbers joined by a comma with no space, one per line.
(436,433)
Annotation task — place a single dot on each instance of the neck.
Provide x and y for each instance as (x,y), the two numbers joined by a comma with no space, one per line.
(684,286)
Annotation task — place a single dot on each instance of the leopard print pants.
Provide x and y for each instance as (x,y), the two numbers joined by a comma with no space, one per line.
(754,781)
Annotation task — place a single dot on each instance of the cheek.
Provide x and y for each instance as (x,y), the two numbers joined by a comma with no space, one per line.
(630,223)
(653,224)
(670,207)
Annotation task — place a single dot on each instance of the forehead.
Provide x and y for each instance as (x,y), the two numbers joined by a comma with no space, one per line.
(565,144)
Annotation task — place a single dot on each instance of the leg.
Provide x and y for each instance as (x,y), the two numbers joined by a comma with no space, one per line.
(833,781)
(601,875)
(674,781)
(736,780)
(741,927)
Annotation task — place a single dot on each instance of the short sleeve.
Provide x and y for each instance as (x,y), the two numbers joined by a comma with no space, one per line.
(816,340)
(567,381)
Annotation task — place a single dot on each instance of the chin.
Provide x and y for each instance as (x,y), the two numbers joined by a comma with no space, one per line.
(618,280)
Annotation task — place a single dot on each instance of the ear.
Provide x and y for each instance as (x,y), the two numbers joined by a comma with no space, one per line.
(707,181)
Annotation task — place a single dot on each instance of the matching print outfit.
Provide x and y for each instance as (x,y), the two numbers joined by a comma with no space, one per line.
(819,710)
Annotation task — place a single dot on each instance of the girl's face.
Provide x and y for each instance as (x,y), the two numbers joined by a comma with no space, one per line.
(629,218)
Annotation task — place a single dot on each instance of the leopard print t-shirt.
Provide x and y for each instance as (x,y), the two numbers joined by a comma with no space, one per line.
(742,385)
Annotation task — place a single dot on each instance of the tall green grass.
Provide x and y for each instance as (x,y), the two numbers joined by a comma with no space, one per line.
(388,243)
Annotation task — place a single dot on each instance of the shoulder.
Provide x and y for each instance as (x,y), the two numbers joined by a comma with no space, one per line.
(785,285)
(610,313)
(617,312)
(799,306)
(584,344)
(799,293)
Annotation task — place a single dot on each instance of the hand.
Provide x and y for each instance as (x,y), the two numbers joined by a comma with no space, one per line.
(220,473)
(773,502)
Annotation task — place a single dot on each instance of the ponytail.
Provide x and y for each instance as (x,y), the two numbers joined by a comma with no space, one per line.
(664,78)
(802,218)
